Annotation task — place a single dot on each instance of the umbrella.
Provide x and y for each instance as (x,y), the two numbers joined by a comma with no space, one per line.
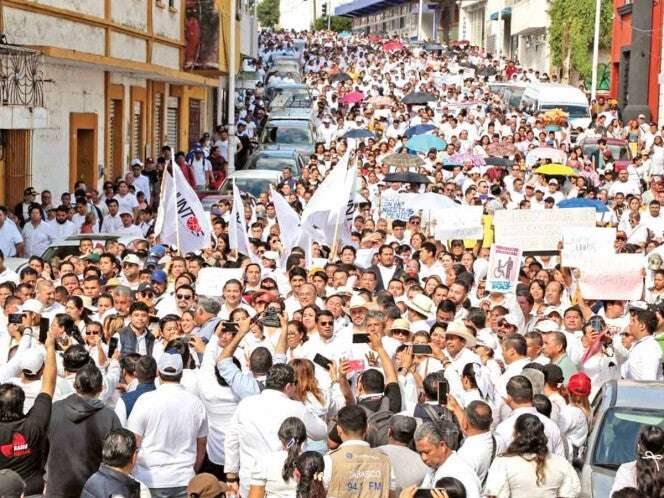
(344,34)
(499,161)
(580,202)
(433,46)
(473,159)
(380,100)
(418,98)
(419,129)
(556,155)
(352,98)
(500,149)
(341,77)
(406,177)
(358,133)
(402,160)
(392,45)
(424,143)
(556,170)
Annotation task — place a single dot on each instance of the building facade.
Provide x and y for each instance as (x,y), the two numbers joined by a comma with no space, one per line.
(636,58)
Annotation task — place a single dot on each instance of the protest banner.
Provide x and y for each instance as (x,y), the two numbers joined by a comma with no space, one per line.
(538,230)
(613,277)
(459,223)
(211,281)
(503,272)
(393,207)
(582,244)
(401,205)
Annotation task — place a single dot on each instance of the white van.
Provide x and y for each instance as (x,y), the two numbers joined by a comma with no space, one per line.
(542,97)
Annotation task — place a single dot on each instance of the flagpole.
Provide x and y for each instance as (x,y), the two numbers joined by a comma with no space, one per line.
(175,199)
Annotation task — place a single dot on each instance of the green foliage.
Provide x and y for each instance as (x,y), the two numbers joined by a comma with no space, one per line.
(571,33)
(337,23)
(268,13)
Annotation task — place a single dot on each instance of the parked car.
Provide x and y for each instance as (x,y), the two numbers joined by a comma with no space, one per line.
(276,160)
(69,245)
(252,182)
(622,154)
(289,134)
(619,411)
(543,97)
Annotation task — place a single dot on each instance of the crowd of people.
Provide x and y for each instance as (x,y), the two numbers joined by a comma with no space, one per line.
(315,374)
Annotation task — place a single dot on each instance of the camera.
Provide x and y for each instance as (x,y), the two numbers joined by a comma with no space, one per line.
(270,318)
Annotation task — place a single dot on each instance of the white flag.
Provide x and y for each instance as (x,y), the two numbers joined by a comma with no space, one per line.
(181,220)
(237,230)
(289,221)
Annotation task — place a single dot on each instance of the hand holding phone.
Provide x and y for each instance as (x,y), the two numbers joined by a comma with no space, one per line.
(443,389)
(112,346)
(320,360)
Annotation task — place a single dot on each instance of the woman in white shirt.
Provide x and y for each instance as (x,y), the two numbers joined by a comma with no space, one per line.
(577,411)
(272,477)
(528,470)
(645,472)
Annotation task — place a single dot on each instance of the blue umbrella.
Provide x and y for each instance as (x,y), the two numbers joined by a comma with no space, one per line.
(419,129)
(358,133)
(344,34)
(424,143)
(580,202)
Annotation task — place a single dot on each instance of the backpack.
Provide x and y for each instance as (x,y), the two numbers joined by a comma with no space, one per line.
(442,417)
(378,423)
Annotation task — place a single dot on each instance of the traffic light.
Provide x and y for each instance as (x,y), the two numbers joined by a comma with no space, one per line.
(324,9)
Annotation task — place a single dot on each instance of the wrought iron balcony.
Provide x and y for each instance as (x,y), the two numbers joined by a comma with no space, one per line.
(21,75)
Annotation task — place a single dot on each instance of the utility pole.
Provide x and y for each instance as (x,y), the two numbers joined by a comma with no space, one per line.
(419,20)
(329,14)
(593,84)
(231,89)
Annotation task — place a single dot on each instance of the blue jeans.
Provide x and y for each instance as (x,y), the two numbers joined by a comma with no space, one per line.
(177,492)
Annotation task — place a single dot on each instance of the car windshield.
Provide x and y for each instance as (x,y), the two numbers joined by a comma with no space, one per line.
(254,186)
(617,437)
(618,152)
(273,164)
(287,135)
(573,111)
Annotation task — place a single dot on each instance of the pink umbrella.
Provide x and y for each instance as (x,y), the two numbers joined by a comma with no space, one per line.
(352,98)
(392,45)
(473,159)
(556,155)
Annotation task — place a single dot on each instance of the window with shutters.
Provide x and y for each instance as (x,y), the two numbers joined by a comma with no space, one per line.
(172,123)
(115,137)
(158,126)
(137,130)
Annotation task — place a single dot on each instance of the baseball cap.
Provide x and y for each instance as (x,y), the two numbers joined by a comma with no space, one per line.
(126,211)
(11,484)
(579,384)
(29,191)
(553,181)
(547,326)
(205,486)
(32,305)
(158,250)
(136,162)
(170,364)
(145,288)
(31,361)
(132,259)
(159,276)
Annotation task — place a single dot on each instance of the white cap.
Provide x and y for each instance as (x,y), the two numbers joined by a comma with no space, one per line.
(547,326)
(511,319)
(136,162)
(32,360)
(170,364)
(32,305)
(357,302)
(126,211)
(271,255)
(553,181)
(132,259)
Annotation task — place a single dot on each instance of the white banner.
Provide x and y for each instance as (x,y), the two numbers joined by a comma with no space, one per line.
(504,266)
(459,223)
(538,230)
(181,220)
(613,277)
(401,206)
(582,244)
(237,229)
(288,219)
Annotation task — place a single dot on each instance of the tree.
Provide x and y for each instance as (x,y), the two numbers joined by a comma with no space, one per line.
(337,23)
(571,34)
(268,13)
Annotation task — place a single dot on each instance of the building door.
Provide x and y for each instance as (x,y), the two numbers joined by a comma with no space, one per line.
(15,165)
(194,121)
(115,141)
(83,148)
(173,123)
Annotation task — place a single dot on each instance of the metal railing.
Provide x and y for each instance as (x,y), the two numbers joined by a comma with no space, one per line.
(21,75)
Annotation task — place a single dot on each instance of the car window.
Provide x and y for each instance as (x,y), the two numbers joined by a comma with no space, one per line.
(616,443)
(574,111)
(288,135)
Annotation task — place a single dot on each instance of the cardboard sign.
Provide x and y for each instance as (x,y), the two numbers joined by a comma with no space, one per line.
(582,244)
(613,277)
(393,206)
(459,223)
(211,281)
(538,230)
(504,265)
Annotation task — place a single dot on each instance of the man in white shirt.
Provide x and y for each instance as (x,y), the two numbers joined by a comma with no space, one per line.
(141,182)
(11,241)
(435,444)
(201,168)
(171,431)
(61,226)
(254,427)
(128,227)
(112,221)
(37,234)
(644,358)
(126,200)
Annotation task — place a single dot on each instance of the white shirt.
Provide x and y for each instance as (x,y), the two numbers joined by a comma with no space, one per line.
(644,361)
(37,238)
(169,420)
(456,467)
(267,473)
(9,276)
(111,224)
(62,230)
(9,237)
(126,203)
(142,184)
(625,477)
(254,427)
(477,450)
(199,168)
(505,431)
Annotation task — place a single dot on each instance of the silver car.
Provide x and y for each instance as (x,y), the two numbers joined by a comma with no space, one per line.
(619,411)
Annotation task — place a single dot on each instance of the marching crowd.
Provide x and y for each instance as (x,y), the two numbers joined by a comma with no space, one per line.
(316,374)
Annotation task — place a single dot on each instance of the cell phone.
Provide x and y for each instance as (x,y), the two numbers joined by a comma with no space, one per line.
(422,349)
(44,325)
(16,318)
(356,365)
(443,389)
(319,359)
(597,323)
(229,327)
(361,339)
(112,346)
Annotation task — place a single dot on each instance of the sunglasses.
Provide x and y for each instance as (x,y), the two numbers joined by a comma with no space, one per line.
(326,323)
(183,296)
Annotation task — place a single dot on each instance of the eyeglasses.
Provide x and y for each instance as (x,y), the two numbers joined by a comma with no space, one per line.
(183,296)
(93,332)
(326,323)
(147,294)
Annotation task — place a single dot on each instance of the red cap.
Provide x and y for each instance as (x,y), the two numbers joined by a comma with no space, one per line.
(579,384)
